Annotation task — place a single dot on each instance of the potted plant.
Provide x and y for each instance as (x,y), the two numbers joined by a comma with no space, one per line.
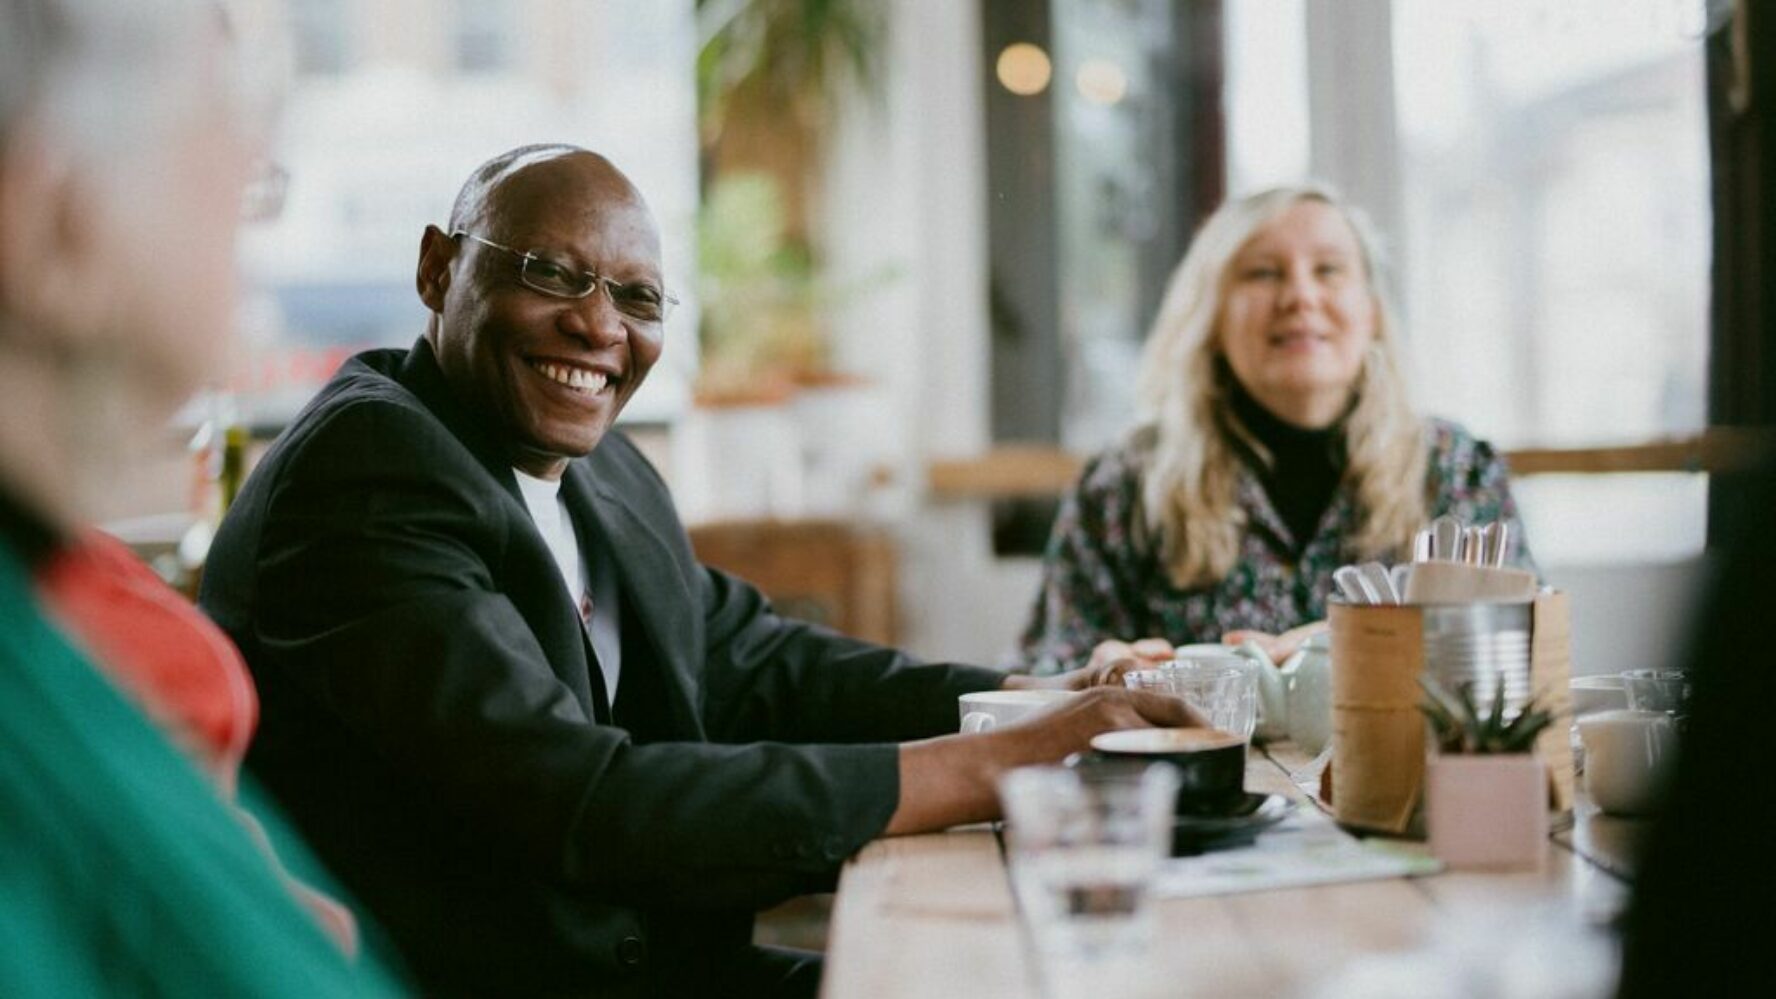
(1486,792)
(761,329)
(777,430)
(772,75)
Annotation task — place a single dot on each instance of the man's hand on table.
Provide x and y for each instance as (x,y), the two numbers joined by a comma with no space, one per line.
(952,779)
(1069,725)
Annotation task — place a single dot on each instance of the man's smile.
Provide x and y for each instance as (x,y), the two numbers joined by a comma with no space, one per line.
(576,377)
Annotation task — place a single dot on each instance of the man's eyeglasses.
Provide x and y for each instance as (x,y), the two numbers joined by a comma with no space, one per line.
(640,301)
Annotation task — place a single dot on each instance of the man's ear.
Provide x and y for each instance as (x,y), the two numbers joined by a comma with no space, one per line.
(436,251)
(51,266)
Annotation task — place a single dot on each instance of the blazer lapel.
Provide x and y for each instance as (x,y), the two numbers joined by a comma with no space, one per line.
(421,375)
(653,588)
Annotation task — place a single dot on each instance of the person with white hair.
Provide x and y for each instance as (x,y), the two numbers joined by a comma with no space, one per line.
(1277,443)
(124,714)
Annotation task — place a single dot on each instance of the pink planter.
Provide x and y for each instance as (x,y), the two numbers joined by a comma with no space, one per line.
(1487,811)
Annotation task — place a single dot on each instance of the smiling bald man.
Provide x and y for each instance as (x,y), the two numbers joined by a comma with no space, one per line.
(552,752)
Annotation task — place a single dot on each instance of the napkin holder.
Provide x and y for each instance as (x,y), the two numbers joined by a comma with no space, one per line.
(1379,741)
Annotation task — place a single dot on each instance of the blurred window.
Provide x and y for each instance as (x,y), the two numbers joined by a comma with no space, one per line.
(1103,153)
(1557,245)
(1266,94)
(486,35)
(380,133)
(1555,158)
(321,30)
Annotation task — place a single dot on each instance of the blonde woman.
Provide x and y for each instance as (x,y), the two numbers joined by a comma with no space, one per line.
(1277,442)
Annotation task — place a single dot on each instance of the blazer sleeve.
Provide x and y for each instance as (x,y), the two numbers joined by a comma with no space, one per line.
(377,597)
(772,677)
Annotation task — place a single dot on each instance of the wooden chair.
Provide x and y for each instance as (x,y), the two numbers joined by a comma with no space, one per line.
(822,571)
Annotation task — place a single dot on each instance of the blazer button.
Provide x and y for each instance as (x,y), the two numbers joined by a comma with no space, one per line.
(631,952)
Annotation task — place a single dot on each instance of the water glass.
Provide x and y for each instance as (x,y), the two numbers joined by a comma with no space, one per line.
(1223,689)
(1655,690)
(1082,848)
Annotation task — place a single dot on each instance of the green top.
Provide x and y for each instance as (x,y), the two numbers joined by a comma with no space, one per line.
(123,873)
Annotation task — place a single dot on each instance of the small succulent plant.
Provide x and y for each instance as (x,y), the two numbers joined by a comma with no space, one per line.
(1460,726)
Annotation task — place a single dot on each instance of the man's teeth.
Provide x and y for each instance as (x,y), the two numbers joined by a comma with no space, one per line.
(574,378)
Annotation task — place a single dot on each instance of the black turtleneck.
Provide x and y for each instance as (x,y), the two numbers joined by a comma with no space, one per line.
(1306,465)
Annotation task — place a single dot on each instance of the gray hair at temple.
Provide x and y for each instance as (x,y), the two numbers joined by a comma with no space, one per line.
(99,75)
(131,132)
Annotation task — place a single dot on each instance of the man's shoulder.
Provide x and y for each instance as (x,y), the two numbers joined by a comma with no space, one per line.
(369,387)
(365,414)
(371,377)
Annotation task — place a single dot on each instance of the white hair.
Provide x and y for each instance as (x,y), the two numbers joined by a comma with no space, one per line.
(103,75)
(96,73)
(107,91)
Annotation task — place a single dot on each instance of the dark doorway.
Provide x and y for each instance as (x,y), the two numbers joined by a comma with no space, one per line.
(1096,179)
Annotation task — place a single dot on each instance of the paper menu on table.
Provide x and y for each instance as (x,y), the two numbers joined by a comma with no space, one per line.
(1306,849)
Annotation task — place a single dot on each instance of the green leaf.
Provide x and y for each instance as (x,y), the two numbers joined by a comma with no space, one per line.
(1521,734)
(1459,726)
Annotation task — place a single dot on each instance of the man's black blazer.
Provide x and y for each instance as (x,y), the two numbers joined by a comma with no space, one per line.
(428,706)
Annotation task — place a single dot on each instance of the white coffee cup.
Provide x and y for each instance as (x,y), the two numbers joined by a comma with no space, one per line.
(1628,755)
(985,709)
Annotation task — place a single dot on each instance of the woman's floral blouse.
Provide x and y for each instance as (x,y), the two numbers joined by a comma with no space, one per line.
(1102,576)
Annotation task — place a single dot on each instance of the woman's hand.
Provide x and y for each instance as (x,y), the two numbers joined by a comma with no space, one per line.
(1278,647)
(1109,660)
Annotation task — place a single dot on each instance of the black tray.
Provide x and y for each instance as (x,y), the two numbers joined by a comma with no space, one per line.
(1236,826)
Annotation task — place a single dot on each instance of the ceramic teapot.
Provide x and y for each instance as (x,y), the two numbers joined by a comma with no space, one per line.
(1294,700)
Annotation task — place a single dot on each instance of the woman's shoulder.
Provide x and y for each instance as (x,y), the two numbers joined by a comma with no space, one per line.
(1117,468)
(1450,441)
(1458,455)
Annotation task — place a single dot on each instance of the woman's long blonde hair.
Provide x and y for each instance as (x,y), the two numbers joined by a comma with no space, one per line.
(1187,432)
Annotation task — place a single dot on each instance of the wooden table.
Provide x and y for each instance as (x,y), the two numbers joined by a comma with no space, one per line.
(933,915)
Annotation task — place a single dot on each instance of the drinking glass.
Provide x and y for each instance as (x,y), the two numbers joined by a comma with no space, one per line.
(1655,690)
(1082,848)
(1223,689)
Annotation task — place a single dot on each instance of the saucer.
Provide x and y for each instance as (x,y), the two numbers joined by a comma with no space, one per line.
(1238,826)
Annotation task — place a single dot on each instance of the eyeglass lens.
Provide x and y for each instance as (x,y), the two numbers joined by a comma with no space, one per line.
(641,301)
